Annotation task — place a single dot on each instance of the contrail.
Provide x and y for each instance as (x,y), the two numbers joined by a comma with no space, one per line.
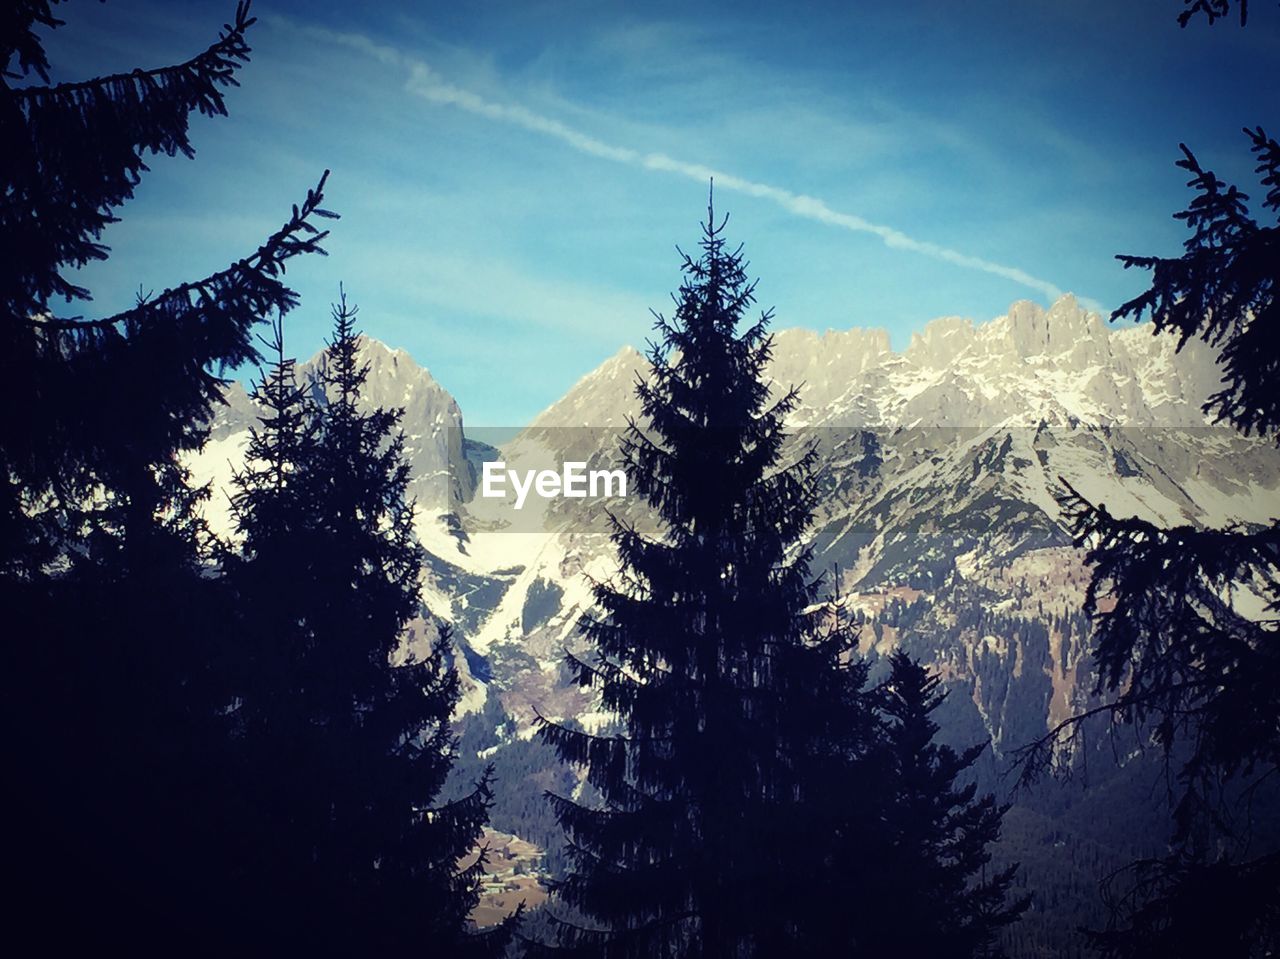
(425,83)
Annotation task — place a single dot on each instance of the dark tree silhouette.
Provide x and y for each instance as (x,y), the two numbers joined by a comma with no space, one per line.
(1176,644)
(1213,10)
(1173,642)
(1189,904)
(1223,288)
(933,896)
(750,775)
(345,726)
(108,399)
(111,683)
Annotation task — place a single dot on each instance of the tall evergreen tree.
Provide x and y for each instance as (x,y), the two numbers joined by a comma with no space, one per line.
(346,729)
(746,752)
(1174,648)
(103,575)
(934,897)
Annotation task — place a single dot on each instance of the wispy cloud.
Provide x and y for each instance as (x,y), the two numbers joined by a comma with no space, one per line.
(505,291)
(427,84)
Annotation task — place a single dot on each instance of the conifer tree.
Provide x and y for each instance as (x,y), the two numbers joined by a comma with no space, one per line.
(108,399)
(346,730)
(104,578)
(1174,649)
(745,754)
(934,897)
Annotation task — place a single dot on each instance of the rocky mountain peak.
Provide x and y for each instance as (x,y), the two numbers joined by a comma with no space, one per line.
(1058,364)
(1053,333)
(941,341)
(432,423)
(603,398)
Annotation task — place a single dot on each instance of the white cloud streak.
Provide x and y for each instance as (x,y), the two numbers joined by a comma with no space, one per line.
(426,84)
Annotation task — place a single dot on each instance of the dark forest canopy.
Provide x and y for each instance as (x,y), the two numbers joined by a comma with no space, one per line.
(210,762)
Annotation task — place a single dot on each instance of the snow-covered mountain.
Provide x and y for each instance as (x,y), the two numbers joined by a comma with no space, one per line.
(938,466)
(1033,364)
(432,426)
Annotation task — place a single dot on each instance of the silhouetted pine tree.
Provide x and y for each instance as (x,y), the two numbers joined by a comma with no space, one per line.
(933,896)
(345,727)
(110,684)
(1174,647)
(744,761)
(105,399)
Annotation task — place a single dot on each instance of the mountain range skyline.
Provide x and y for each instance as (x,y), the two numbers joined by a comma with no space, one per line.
(1064,326)
(1030,369)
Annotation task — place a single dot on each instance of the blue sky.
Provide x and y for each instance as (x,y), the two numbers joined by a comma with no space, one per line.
(513,177)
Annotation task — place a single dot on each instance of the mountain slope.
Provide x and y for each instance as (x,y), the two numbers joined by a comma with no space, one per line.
(938,467)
